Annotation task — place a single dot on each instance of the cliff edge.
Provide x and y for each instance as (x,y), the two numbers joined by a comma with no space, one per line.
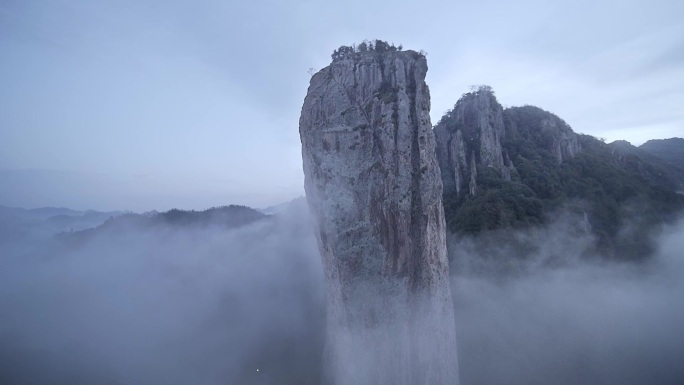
(374,189)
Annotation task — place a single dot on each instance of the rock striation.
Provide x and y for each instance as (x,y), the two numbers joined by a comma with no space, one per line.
(470,137)
(473,136)
(374,189)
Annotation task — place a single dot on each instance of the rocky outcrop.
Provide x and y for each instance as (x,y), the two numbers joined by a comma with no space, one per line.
(561,141)
(374,190)
(474,134)
(544,129)
(470,137)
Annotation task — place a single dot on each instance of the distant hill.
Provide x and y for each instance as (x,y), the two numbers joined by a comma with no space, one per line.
(670,150)
(21,225)
(225,217)
(40,213)
(671,170)
(522,166)
(18,224)
(282,206)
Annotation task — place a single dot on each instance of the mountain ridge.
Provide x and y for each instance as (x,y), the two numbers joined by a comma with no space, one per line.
(540,168)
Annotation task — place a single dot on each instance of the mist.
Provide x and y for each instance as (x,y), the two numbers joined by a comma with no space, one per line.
(165,305)
(209,305)
(560,316)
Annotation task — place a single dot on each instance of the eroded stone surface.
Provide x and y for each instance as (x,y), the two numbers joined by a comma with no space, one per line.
(470,137)
(374,188)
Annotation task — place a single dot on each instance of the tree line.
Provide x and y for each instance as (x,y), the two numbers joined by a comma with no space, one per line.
(378,46)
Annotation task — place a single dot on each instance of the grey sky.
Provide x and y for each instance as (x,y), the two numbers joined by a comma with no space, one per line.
(156,104)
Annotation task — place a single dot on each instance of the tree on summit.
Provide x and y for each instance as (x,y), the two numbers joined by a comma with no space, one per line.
(378,46)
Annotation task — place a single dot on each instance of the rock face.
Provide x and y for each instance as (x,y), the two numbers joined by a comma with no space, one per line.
(473,135)
(549,131)
(469,137)
(374,190)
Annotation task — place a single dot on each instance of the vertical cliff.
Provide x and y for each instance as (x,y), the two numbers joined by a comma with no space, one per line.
(374,190)
(474,135)
(470,137)
(500,167)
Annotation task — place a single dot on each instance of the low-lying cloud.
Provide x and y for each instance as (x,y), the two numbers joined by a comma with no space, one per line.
(165,305)
(179,305)
(558,318)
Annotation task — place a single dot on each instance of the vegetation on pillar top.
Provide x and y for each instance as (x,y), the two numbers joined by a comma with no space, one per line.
(372,46)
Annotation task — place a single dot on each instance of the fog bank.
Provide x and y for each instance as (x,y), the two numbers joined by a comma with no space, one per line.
(165,305)
(178,305)
(557,318)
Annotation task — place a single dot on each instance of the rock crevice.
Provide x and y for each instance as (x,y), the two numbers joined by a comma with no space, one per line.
(374,188)
(471,136)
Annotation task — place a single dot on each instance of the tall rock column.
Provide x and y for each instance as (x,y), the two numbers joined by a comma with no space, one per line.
(374,190)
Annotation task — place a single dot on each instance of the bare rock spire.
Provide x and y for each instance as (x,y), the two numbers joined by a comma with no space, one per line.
(374,190)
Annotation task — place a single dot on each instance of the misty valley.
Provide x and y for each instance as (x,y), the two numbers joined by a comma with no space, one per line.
(211,301)
(497,246)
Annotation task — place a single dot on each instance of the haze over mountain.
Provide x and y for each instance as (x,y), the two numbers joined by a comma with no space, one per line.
(523,166)
(21,225)
(665,159)
(564,252)
(668,150)
(215,303)
(150,105)
(373,187)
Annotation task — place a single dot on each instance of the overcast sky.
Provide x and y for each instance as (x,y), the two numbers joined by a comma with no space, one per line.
(142,105)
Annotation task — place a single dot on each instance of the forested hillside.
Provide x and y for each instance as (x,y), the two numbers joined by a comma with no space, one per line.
(551,171)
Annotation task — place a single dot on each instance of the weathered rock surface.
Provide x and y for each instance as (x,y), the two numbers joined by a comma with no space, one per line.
(374,190)
(472,135)
(550,131)
(469,137)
